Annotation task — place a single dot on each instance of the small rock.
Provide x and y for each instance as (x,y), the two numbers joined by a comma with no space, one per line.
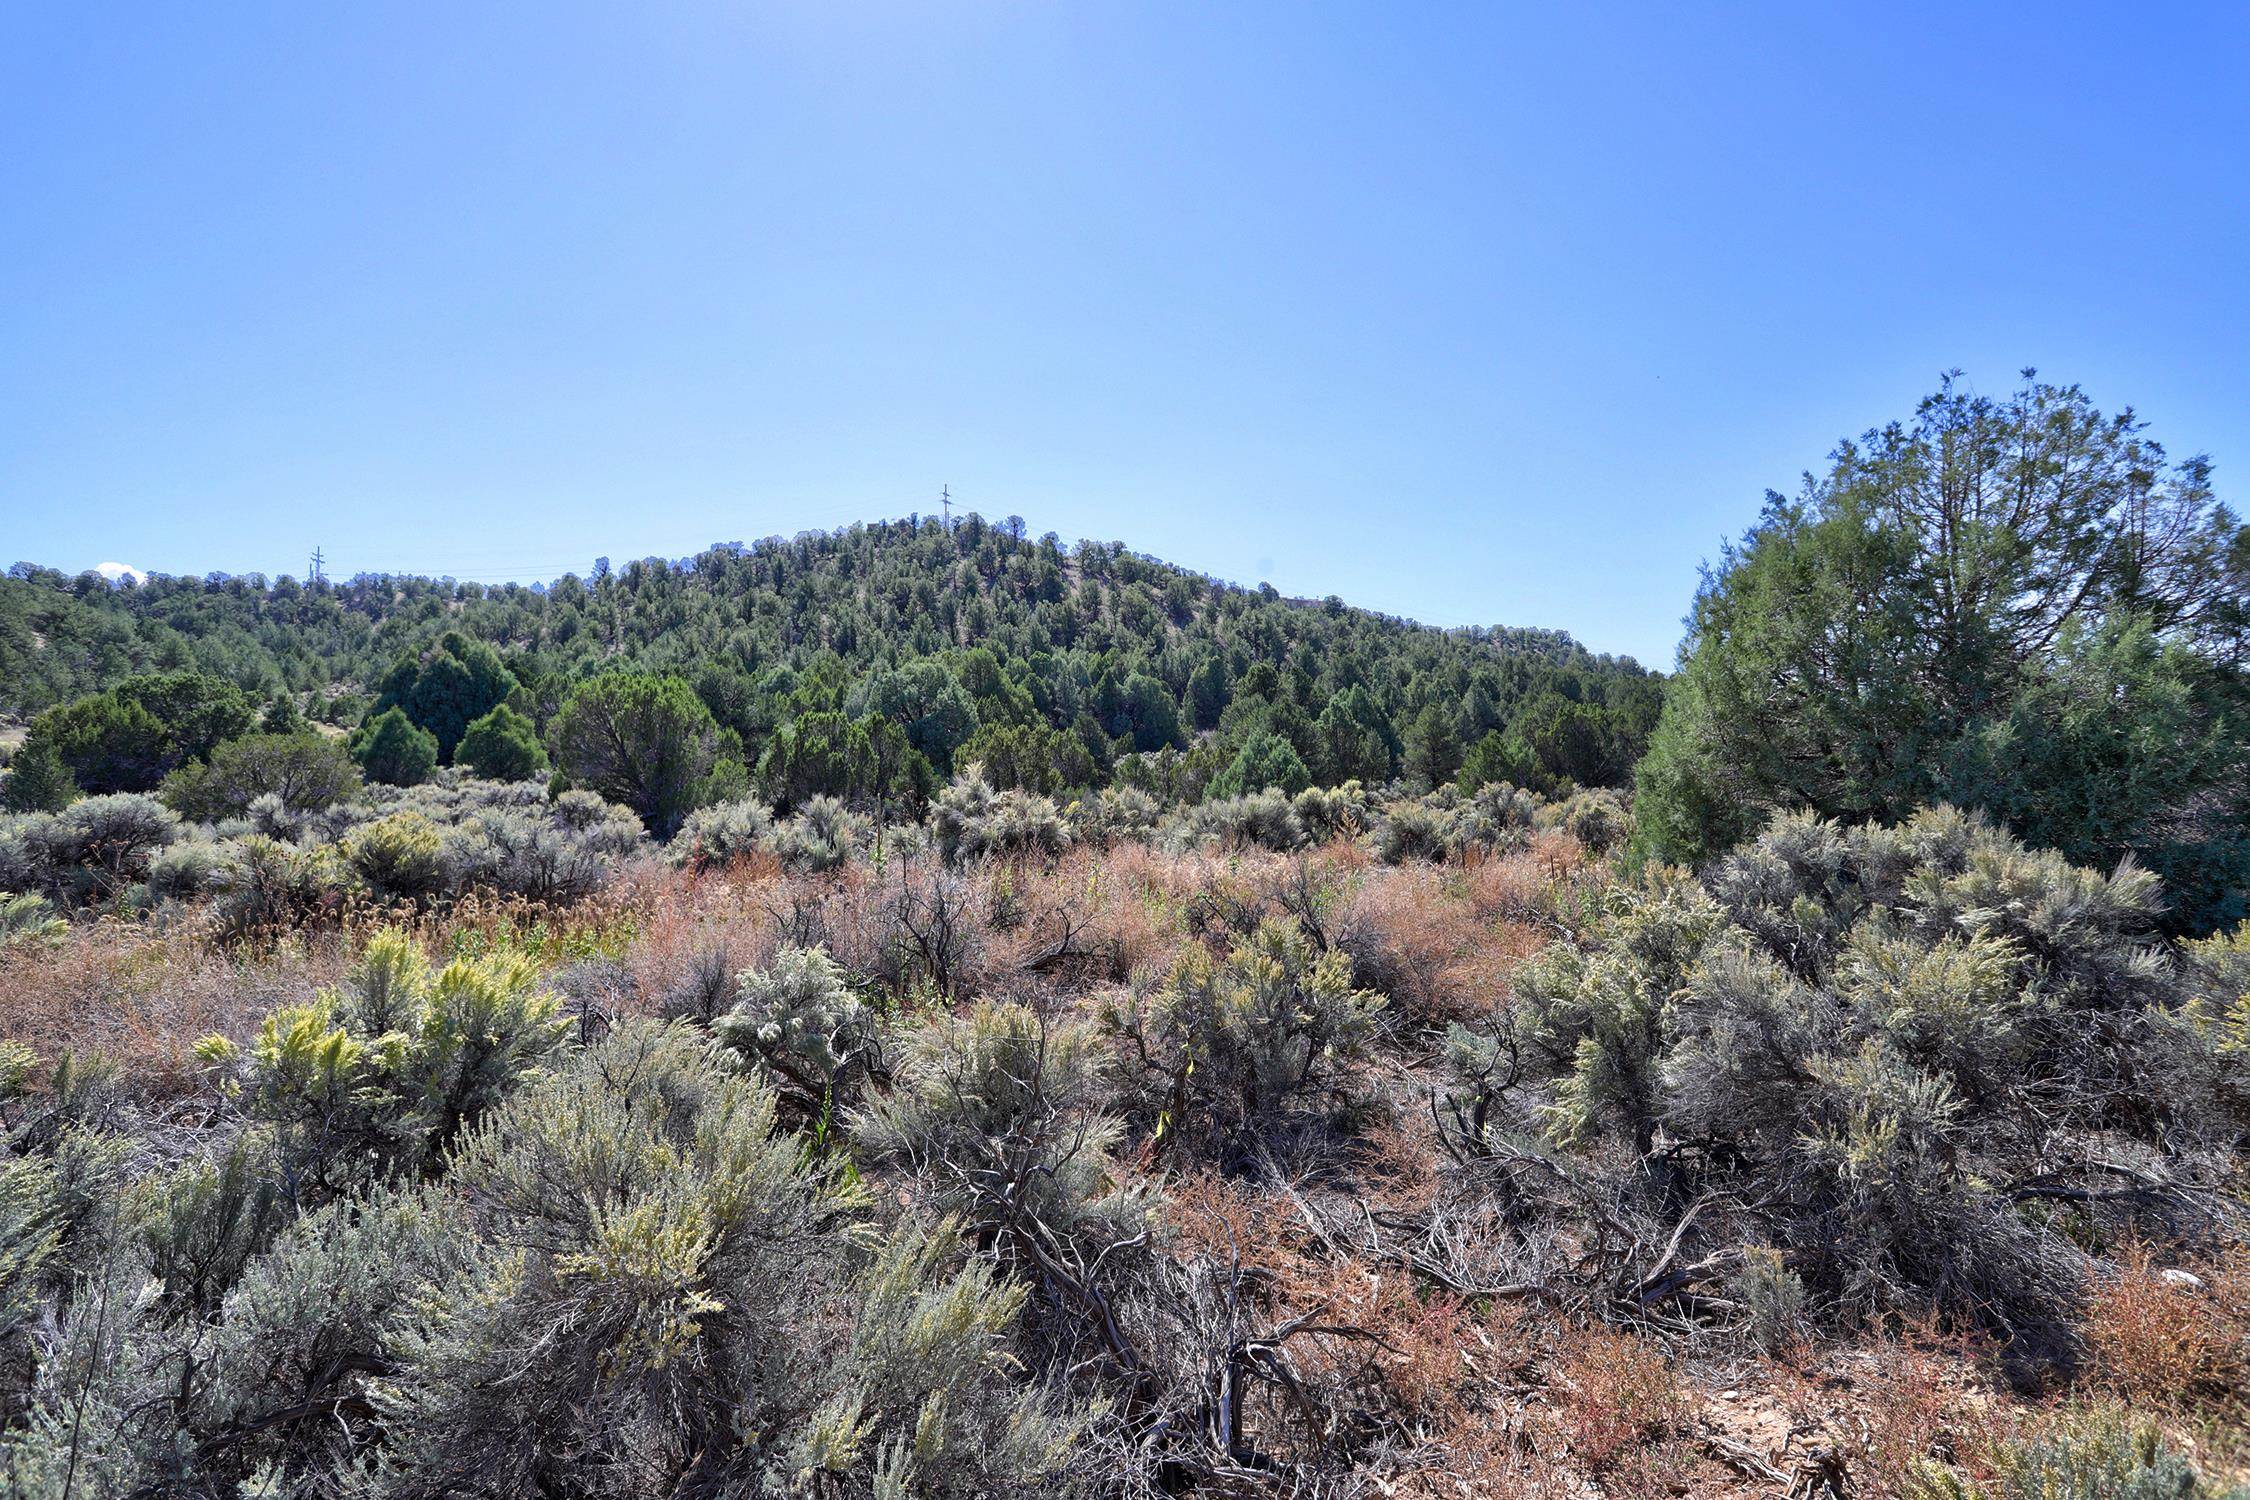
(2186,1281)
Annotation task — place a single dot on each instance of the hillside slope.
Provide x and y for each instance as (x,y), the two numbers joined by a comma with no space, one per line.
(1124,652)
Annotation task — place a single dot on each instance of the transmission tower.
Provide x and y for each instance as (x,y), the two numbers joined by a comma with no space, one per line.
(317,559)
(945,504)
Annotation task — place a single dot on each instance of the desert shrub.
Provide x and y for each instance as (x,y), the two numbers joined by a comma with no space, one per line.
(821,837)
(1597,818)
(704,990)
(23,865)
(25,920)
(1115,815)
(916,1407)
(2170,1338)
(1775,1310)
(1598,1015)
(721,834)
(1413,831)
(1623,1408)
(1497,817)
(645,1307)
(29,1239)
(1897,1034)
(2214,1017)
(525,855)
(1257,820)
(1222,1042)
(384,1074)
(401,855)
(98,846)
(274,818)
(2083,1455)
(269,888)
(798,1023)
(308,1327)
(1332,812)
(647,1252)
(202,1223)
(970,821)
(998,1112)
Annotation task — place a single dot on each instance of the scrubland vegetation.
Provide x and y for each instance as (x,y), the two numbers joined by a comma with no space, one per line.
(923,1013)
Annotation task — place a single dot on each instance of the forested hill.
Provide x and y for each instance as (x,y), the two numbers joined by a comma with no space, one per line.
(977,628)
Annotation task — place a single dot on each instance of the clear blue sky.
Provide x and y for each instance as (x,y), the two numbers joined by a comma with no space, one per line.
(1480,314)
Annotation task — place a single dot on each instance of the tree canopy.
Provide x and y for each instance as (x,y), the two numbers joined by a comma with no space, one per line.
(2018,604)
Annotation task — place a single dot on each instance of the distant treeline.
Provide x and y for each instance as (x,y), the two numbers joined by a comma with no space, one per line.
(1048,665)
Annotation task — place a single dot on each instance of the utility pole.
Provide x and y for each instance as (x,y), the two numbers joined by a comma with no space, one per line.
(945,504)
(316,562)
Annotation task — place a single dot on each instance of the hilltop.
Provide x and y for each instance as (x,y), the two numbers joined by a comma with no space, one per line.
(1118,652)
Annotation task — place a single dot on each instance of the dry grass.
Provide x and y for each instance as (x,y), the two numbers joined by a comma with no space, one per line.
(2160,1343)
(1622,1410)
(1416,936)
(139,996)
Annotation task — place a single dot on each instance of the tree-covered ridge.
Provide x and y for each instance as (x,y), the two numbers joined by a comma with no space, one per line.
(1058,656)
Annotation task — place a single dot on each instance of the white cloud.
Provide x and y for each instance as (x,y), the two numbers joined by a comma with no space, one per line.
(116,571)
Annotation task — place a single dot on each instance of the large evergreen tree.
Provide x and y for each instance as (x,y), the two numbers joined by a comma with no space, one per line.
(639,739)
(2020,604)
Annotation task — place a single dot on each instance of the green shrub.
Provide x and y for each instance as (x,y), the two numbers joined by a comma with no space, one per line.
(722,833)
(37,780)
(386,1073)
(1266,762)
(799,1022)
(1227,1041)
(401,855)
(391,750)
(2096,1455)
(307,771)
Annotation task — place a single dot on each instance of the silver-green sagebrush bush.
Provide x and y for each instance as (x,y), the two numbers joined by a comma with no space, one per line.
(1945,1066)
(2087,1455)
(798,1023)
(621,1279)
(719,835)
(1000,1113)
(971,821)
(1221,1042)
(384,1074)
(822,836)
